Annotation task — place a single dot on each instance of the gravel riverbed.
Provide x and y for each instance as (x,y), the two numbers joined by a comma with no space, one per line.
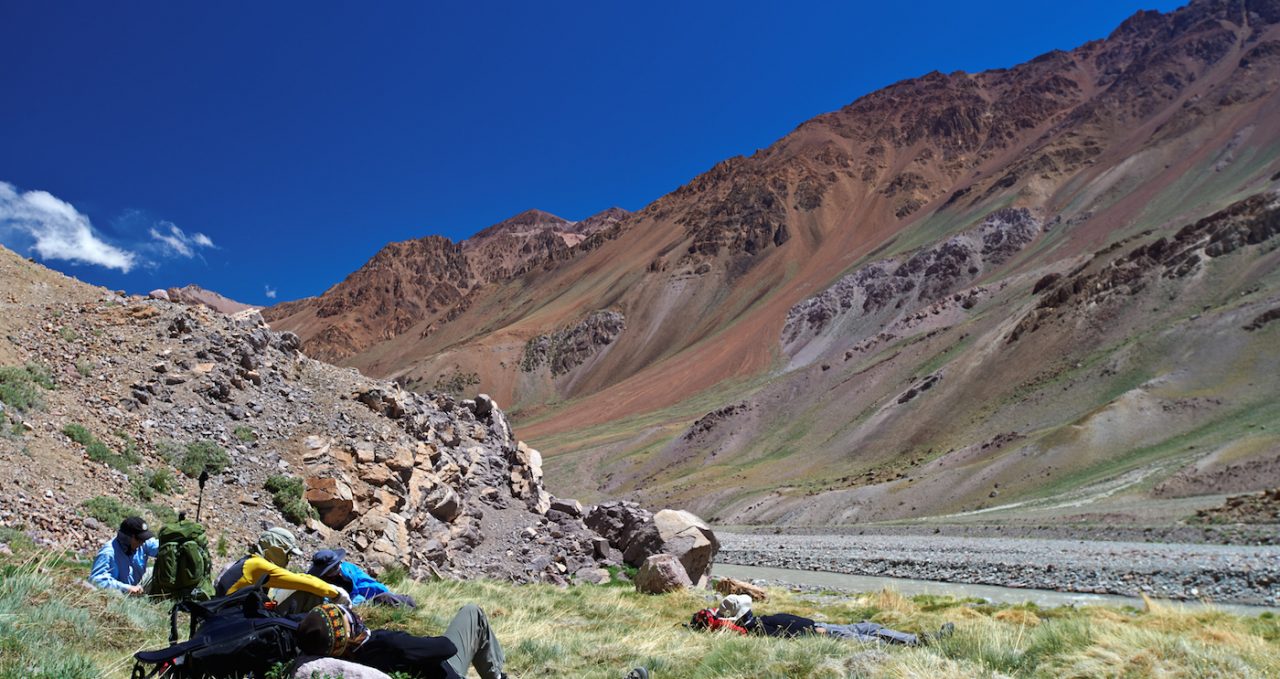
(1222,573)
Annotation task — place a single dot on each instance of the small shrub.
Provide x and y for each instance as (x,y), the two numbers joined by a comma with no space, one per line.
(245,434)
(40,375)
(129,448)
(156,482)
(141,490)
(20,386)
(108,510)
(98,451)
(222,547)
(286,494)
(85,368)
(77,433)
(161,481)
(68,334)
(201,456)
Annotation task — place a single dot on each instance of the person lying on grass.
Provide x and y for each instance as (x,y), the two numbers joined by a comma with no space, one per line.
(331,566)
(333,631)
(734,614)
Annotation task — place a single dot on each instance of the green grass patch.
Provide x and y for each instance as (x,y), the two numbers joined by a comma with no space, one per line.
(245,434)
(152,483)
(286,493)
(21,386)
(50,626)
(109,510)
(100,452)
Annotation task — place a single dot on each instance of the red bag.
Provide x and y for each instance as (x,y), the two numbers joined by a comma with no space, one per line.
(706,619)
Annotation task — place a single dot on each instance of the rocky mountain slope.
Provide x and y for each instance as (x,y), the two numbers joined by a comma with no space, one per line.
(113,405)
(425,283)
(987,292)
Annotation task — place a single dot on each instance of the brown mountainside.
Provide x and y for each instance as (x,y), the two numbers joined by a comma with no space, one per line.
(892,247)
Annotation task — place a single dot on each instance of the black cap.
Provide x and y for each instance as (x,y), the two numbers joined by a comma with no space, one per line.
(135,527)
(326,560)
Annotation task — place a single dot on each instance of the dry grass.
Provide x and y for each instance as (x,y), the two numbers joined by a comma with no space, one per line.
(51,626)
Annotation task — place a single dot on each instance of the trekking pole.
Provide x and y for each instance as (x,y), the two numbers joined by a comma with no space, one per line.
(204,476)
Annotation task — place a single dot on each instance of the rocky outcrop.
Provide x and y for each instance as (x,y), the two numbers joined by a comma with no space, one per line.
(924,277)
(432,279)
(570,347)
(1110,279)
(421,481)
(639,535)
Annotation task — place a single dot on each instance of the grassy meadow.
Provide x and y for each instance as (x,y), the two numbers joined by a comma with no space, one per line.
(53,626)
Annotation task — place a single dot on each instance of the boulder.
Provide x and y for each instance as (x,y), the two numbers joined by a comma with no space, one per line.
(483,406)
(571,507)
(160,294)
(690,539)
(443,503)
(619,522)
(595,576)
(375,474)
(661,573)
(332,497)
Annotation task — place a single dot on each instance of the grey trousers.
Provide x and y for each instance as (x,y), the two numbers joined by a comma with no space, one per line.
(870,631)
(476,642)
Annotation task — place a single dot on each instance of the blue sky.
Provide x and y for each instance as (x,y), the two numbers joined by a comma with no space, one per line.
(266,150)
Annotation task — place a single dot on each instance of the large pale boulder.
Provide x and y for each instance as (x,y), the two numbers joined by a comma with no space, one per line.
(661,573)
(333,498)
(690,539)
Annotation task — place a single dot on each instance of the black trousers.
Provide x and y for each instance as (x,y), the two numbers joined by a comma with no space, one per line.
(394,651)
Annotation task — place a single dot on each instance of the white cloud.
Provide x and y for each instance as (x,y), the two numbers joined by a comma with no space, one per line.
(175,241)
(270,291)
(56,230)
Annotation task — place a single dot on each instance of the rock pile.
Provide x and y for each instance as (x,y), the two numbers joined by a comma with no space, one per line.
(656,543)
(1261,507)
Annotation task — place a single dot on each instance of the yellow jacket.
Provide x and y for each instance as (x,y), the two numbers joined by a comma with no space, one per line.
(281,578)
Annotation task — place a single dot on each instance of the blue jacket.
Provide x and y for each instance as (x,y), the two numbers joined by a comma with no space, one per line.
(116,569)
(363,586)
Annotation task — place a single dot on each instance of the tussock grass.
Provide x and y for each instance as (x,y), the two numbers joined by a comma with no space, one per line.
(52,626)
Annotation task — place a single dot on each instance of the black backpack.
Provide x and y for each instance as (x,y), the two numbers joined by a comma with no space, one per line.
(231,637)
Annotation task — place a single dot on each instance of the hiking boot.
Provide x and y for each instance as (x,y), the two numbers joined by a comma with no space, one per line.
(638,673)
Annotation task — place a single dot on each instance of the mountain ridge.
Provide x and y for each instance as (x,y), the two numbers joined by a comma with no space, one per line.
(1167,120)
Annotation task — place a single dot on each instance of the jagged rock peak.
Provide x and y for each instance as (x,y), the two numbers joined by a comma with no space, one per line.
(527,221)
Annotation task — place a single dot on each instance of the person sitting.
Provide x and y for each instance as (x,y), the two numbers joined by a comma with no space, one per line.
(335,631)
(735,613)
(271,559)
(121,564)
(329,565)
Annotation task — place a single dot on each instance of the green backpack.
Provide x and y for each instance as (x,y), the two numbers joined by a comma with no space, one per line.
(183,564)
